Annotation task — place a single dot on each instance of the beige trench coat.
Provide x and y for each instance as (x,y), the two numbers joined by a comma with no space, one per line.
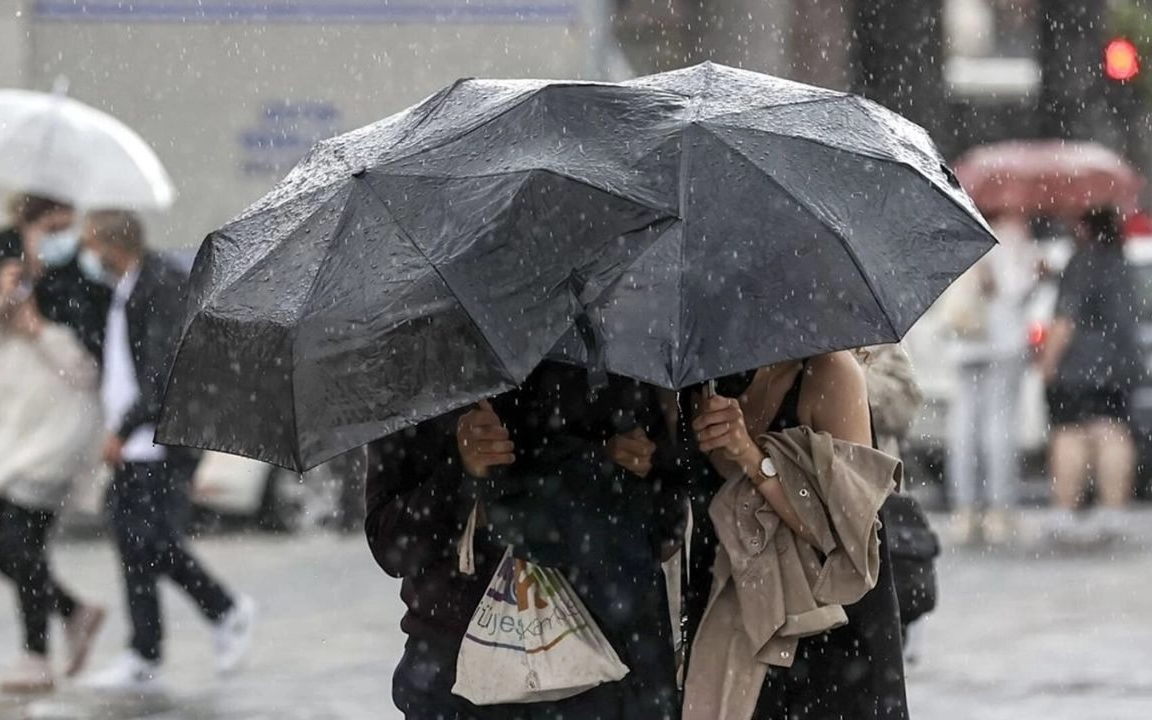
(771,588)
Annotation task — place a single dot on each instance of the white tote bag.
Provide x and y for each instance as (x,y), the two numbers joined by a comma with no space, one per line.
(531,639)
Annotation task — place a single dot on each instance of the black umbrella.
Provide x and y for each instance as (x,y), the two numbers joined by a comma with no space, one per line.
(676,228)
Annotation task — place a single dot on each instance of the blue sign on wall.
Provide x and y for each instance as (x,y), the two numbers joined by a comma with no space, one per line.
(282,134)
(502,12)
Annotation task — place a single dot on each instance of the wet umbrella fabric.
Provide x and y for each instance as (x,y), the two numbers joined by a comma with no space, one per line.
(675,228)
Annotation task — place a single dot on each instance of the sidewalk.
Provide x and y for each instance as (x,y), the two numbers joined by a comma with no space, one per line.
(1020,635)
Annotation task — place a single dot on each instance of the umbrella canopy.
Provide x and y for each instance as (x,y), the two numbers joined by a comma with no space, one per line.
(1061,178)
(672,229)
(59,147)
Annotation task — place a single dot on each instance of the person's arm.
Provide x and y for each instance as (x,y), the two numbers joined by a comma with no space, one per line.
(720,427)
(415,510)
(60,350)
(1059,337)
(1074,284)
(834,398)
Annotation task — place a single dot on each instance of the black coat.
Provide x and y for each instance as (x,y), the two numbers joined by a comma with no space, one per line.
(155,313)
(563,504)
(65,296)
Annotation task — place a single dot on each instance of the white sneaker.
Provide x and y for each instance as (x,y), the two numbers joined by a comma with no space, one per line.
(130,673)
(232,635)
(31,674)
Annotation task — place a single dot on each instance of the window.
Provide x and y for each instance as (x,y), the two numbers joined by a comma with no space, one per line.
(992,46)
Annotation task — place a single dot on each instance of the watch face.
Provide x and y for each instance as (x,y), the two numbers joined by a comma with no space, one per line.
(767,468)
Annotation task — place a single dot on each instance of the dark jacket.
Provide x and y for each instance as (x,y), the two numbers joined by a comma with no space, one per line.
(155,314)
(65,296)
(562,503)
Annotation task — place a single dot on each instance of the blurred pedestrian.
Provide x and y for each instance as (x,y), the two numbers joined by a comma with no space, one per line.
(1090,364)
(49,434)
(148,498)
(987,311)
(44,234)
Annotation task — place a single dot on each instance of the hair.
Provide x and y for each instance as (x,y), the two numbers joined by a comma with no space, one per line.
(26,208)
(119,228)
(1104,226)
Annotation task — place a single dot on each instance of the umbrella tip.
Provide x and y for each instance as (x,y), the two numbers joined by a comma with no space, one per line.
(60,85)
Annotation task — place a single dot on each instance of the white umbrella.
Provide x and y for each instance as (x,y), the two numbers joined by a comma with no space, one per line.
(56,146)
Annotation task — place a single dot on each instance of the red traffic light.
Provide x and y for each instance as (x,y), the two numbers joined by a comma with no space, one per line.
(1121,60)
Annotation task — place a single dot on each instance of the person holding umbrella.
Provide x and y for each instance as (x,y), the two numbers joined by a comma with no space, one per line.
(570,478)
(444,255)
(855,670)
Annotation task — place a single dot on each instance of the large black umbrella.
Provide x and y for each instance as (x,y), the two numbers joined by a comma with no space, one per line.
(675,228)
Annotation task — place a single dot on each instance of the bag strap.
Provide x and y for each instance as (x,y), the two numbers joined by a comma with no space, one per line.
(464,546)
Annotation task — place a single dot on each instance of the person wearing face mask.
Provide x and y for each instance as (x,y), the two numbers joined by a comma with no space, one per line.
(49,433)
(148,497)
(68,286)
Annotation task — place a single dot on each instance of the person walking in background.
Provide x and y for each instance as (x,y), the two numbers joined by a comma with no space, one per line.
(987,313)
(49,433)
(148,497)
(1090,364)
(44,235)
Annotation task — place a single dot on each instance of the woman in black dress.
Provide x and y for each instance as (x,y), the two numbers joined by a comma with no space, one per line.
(854,672)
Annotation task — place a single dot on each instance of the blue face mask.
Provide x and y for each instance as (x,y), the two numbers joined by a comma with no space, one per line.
(92,267)
(58,248)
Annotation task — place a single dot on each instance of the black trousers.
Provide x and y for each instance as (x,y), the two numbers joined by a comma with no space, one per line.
(24,561)
(149,507)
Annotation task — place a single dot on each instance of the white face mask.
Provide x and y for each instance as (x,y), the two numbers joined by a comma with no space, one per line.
(56,249)
(93,268)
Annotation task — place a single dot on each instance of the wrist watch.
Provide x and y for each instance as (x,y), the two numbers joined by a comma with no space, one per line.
(767,472)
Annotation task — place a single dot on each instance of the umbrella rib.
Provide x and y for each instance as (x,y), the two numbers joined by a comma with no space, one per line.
(773,106)
(555,173)
(341,225)
(836,232)
(455,138)
(861,153)
(412,241)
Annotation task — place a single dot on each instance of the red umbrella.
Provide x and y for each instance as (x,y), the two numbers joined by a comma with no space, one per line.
(1048,177)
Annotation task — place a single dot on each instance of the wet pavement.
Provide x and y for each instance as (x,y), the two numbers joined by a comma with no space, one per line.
(1019,635)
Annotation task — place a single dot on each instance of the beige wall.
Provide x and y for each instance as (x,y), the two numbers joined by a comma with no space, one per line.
(192,90)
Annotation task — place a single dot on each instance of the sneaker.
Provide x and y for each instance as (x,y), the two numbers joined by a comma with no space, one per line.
(130,673)
(31,674)
(79,631)
(232,635)
(998,528)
